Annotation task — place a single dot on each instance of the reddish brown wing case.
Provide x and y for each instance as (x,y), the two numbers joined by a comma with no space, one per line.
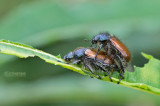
(121,47)
(101,56)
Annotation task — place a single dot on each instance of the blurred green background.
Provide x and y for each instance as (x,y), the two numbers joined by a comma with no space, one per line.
(59,26)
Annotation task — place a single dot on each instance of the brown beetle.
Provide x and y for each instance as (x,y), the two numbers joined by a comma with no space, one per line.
(86,57)
(115,49)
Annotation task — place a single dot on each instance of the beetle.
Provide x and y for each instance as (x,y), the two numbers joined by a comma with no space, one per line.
(113,48)
(85,56)
(105,40)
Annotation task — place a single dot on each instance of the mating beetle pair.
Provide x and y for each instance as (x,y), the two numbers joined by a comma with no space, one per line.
(115,55)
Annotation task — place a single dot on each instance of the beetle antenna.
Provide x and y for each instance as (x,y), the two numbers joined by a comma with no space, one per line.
(87,40)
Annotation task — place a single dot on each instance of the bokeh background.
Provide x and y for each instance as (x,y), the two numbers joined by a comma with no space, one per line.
(60,26)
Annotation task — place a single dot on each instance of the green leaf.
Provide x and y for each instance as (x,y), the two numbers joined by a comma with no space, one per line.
(147,75)
(145,79)
(24,51)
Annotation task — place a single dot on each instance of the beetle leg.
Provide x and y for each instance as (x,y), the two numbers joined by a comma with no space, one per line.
(107,73)
(105,70)
(121,66)
(117,63)
(91,70)
(121,77)
(108,49)
(99,48)
(75,62)
(121,63)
